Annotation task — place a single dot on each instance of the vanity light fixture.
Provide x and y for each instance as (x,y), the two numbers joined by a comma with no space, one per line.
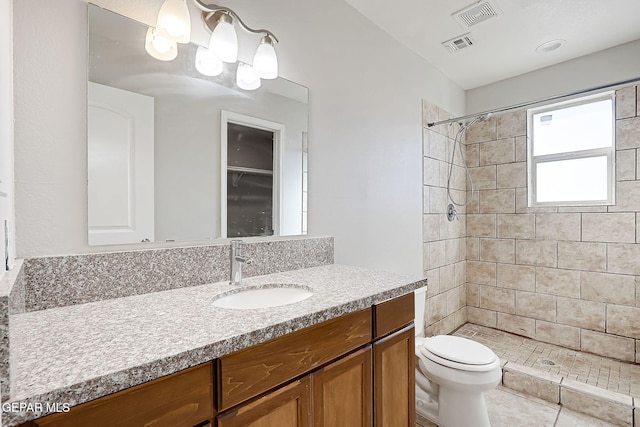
(174,26)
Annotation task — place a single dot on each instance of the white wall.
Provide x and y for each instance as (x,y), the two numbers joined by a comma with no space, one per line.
(365,135)
(608,66)
(6,130)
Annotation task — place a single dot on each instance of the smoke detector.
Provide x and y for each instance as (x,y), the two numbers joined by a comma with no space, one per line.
(476,13)
(459,43)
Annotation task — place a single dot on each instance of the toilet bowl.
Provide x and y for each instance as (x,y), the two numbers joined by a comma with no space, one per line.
(452,373)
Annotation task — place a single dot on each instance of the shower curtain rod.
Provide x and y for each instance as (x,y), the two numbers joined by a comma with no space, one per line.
(527,104)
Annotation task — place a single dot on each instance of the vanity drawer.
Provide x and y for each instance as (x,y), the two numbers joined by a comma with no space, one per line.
(252,371)
(184,399)
(393,314)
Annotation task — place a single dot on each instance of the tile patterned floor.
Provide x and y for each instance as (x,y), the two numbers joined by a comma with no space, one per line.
(598,371)
(511,409)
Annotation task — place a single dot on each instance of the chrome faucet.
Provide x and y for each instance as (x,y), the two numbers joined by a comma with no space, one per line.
(237,260)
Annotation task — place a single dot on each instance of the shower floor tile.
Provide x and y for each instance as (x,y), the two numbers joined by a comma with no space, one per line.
(602,372)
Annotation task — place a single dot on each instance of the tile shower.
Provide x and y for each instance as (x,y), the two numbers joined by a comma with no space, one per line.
(561,275)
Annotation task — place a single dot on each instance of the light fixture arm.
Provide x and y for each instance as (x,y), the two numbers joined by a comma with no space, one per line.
(210,10)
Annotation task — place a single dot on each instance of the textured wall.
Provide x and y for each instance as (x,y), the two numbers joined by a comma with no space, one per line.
(564,275)
(444,242)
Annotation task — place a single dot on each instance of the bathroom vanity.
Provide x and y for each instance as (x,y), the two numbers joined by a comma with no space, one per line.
(341,357)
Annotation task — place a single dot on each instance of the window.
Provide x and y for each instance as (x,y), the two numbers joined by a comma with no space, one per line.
(571,152)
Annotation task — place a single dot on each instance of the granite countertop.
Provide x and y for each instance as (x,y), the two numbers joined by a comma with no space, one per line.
(70,355)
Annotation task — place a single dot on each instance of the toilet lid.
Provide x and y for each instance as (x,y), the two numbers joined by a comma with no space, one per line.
(460,350)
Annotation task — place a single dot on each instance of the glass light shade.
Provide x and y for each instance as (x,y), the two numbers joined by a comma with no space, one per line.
(224,40)
(160,47)
(174,21)
(265,61)
(246,77)
(207,62)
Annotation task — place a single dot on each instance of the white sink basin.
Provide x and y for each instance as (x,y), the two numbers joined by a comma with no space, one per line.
(262,297)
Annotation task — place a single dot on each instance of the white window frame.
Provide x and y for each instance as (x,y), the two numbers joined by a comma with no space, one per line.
(609,152)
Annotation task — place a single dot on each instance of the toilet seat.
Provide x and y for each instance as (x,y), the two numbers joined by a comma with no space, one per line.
(459,353)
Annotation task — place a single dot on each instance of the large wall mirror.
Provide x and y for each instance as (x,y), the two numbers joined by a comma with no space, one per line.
(175,156)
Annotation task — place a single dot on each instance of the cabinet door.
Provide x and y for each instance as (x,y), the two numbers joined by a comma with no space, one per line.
(288,406)
(184,399)
(394,377)
(342,392)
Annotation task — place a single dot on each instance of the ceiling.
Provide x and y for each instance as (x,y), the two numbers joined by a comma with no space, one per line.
(504,45)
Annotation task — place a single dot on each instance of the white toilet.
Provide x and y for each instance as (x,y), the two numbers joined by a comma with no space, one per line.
(452,373)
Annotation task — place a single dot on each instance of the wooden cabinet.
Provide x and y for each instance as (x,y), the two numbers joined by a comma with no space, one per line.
(342,392)
(394,378)
(184,399)
(356,370)
(288,406)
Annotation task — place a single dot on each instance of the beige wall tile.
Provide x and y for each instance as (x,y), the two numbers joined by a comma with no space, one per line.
(447,277)
(455,250)
(517,324)
(627,196)
(521,149)
(512,124)
(473,295)
(481,225)
(537,306)
(638,361)
(582,256)
(483,273)
(425,199)
(456,299)
(497,201)
(480,316)
(437,199)
(436,308)
(496,152)
(623,320)
(438,147)
(497,250)
(460,272)
(460,317)
(521,277)
(558,226)
(482,130)
(542,253)
(581,313)
(430,227)
(607,345)
(472,154)
(582,209)
(626,102)
(433,282)
(531,384)
(518,226)
(483,178)
(436,254)
(624,258)
(595,406)
(609,227)
(627,134)
(431,171)
(473,248)
(452,229)
(567,336)
(511,175)
(498,299)
(606,287)
(558,282)
(625,165)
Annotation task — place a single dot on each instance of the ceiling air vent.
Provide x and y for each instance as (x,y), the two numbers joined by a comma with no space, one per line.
(476,13)
(458,43)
